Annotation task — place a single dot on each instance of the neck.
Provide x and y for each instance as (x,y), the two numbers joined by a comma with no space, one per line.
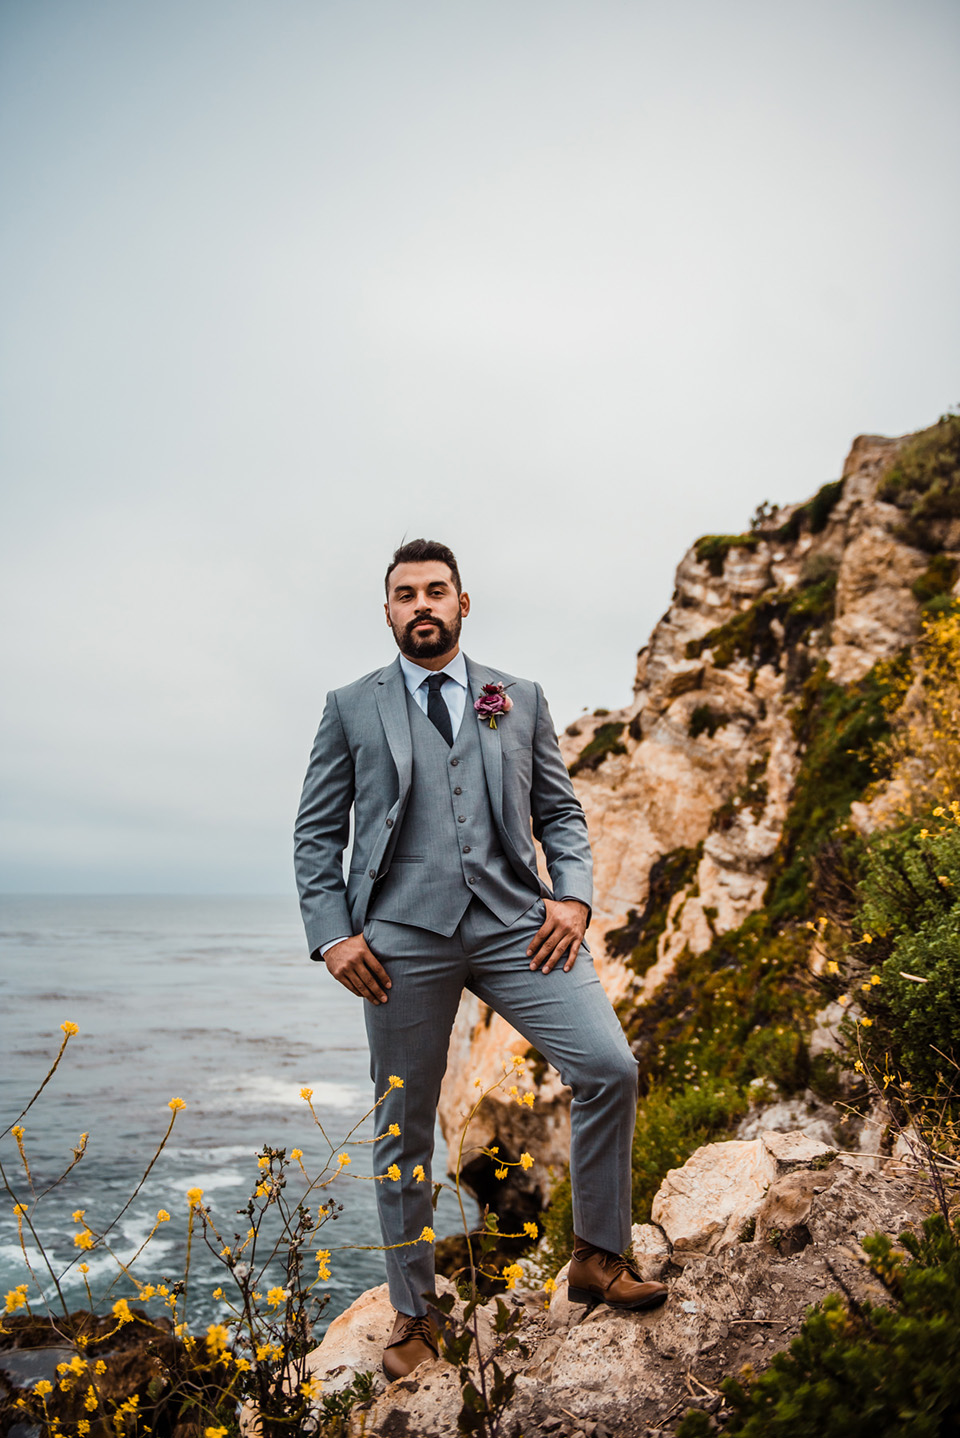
(437,662)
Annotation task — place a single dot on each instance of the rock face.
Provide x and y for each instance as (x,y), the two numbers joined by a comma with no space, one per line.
(704,761)
(735,1296)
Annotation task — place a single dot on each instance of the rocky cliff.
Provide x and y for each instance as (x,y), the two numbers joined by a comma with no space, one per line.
(751,738)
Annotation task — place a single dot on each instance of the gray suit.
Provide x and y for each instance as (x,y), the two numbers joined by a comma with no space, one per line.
(443,883)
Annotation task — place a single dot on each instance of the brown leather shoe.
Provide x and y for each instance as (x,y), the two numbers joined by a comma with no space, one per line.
(596,1276)
(412,1341)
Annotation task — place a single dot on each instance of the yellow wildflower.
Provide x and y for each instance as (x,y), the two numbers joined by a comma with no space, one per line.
(514,1091)
(939,813)
(214,1433)
(478,1083)
(78,1215)
(530,1229)
(296,1154)
(163,1216)
(395,1082)
(526,1161)
(311,1388)
(306,1093)
(90,1399)
(859,1066)
(276,1296)
(843,1000)
(419,1174)
(528,1099)
(511,1273)
(519,1062)
(83,1427)
(17,1297)
(121,1310)
(833,967)
(394,1172)
(176,1104)
(263,1161)
(217,1338)
(428,1235)
(44,1386)
(867,939)
(84,1240)
(323,1263)
(18,1131)
(147,1292)
(217,1293)
(875,979)
(99,1368)
(19,1208)
(343,1159)
(500,1173)
(867,1023)
(550,1286)
(943,880)
(194,1195)
(69,1028)
(394,1130)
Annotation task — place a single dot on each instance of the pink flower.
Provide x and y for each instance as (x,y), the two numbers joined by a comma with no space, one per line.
(493,700)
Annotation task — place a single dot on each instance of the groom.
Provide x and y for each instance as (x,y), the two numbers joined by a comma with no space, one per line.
(443,894)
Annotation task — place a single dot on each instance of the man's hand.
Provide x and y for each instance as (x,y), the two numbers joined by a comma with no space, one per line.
(353,964)
(560,933)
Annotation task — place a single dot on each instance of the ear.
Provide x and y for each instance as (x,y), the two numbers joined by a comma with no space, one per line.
(386,610)
(464,604)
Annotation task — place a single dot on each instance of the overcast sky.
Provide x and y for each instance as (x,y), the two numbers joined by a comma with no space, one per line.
(562,284)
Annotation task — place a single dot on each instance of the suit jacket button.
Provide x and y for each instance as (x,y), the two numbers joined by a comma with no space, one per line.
(471,881)
(458,790)
(373,873)
(389,823)
(454,763)
(466,848)
(461,818)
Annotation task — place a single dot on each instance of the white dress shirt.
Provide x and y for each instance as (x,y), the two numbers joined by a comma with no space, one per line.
(454,691)
(455,697)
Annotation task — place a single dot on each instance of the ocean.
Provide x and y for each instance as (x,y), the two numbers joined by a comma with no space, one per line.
(212,1000)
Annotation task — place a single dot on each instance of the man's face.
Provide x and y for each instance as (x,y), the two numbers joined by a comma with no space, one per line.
(424,610)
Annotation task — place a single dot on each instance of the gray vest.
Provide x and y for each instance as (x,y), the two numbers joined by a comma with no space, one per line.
(447,851)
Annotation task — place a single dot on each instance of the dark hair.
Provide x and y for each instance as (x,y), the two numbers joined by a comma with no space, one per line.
(416,551)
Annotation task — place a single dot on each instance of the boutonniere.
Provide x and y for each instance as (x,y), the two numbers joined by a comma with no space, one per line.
(493,700)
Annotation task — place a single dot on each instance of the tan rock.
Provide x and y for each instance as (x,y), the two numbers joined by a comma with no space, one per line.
(704,1205)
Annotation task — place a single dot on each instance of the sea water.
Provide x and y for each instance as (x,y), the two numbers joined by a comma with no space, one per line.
(212,1000)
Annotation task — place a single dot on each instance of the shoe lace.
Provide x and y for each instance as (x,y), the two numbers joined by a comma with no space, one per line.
(419,1327)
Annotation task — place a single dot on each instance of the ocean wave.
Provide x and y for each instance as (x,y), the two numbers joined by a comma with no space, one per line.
(266,1091)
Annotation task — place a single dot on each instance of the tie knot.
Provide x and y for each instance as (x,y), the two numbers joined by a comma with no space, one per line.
(436,682)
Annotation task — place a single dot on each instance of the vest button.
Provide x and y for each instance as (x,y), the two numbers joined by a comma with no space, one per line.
(466,848)
(373,873)
(458,790)
(461,818)
(454,763)
(471,881)
(389,823)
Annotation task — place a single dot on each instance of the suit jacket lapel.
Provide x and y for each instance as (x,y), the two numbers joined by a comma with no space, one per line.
(477,676)
(391,695)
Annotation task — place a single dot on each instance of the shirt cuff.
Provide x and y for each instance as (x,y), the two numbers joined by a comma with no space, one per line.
(325,948)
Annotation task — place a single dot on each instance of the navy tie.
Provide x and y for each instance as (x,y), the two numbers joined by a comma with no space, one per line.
(437,711)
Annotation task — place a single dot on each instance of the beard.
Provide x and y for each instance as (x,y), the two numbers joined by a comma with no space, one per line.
(427,646)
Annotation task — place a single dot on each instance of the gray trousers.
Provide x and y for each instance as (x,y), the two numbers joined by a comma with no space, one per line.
(565,1016)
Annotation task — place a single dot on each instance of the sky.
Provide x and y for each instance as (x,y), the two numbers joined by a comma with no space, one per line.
(564,285)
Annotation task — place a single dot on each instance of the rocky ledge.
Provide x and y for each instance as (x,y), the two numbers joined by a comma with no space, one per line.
(747,1234)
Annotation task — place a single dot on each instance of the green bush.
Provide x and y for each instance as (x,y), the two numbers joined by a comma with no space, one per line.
(705,720)
(712,549)
(911,910)
(866,1370)
(636,942)
(605,741)
(924,481)
(936,580)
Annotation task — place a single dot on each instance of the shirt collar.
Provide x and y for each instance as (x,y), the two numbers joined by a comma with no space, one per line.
(415,674)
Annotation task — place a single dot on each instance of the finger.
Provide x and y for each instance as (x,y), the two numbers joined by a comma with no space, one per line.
(538,938)
(378,971)
(572,956)
(556,953)
(368,984)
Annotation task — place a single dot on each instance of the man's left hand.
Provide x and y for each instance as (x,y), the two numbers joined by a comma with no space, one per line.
(560,933)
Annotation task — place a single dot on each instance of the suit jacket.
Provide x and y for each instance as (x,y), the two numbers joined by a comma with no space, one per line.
(362,759)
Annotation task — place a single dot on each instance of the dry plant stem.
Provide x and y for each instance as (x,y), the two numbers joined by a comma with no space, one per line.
(50,1073)
(24,1215)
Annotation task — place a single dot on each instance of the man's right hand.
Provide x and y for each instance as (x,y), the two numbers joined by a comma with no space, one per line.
(353,964)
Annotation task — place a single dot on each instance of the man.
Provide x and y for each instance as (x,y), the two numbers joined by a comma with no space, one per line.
(443,894)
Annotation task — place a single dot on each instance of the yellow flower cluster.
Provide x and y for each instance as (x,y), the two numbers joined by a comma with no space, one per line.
(70,1028)
(394,1172)
(17,1297)
(395,1082)
(121,1311)
(511,1273)
(428,1235)
(323,1264)
(194,1196)
(217,1339)
(176,1104)
(419,1174)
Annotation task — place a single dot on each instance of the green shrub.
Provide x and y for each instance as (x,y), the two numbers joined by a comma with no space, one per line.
(813,515)
(671,1126)
(705,720)
(924,481)
(936,580)
(866,1370)
(712,549)
(636,941)
(911,910)
(605,741)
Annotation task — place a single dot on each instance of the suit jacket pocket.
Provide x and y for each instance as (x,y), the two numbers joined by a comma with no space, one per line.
(408,859)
